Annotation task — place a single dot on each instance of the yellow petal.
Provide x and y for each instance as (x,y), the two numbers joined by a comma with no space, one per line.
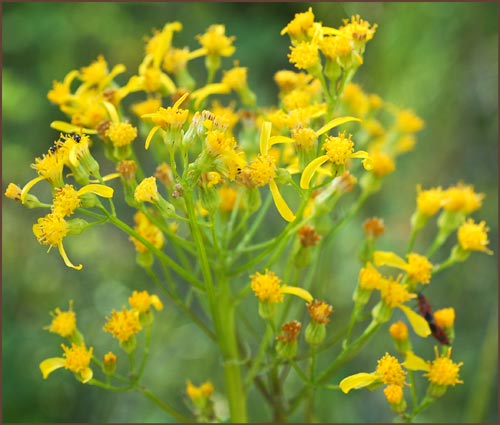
(280,203)
(417,322)
(413,362)
(360,154)
(156,302)
(280,139)
(64,256)
(334,123)
(150,135)
(28,186)
(180,100)
(197,53)
(113,114)
(49,365)
(299,292)
(386,258)
(86,375)
(367,163)
(107,177)
(201,94)
(265,135)
(358,380)
(66,127)
(310,169)
(98,189)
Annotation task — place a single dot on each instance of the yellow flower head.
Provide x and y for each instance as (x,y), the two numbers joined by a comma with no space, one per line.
(171,117)
(262,169)
(234,162)
(305,138)
(299,25)
(50,167)
(147,191)
(216,42)
(304,55)
(267,287)
(443,371)
(148,231)
(142,301)
(419,268)
(399,331)
(474,237)
(121,133)
(109,358)
(383,164)
(369,278)
(462,198)
(390,371)
(175,60)
(319,311)
(76,359)
(393,394)
(358,29)
(205,390)
(339,149)
(13,192)
(217,142)
(63,322)
(429,201)
(408,122)
(95,72)
(290,80)
(236,78)
(445,317)
(374,227)
(61,92)
(336,47)
(66,200)
(51,229)
(393,293)
(123,324)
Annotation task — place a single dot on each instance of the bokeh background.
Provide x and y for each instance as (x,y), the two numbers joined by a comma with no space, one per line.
(440,59)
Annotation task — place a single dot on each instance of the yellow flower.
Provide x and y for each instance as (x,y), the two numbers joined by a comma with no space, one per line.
(445,317)
(408,122)
(358,29)
(399,331)
(51,230)
(76,359)
(123,324)
(389,371)
(67,198)
(148,106)
(338,151)
(383,164)
(369,278)
(290,80)
(171,118)
(142,301)
(121,133)
(267,288)
(205,390)
(61,92)
(148,231)
(13,192)
(393,394)
(305,56)
(146,190)
(217,142)
(462,198)
(109,361)
(474,237)
(299,25)
(429,201)
(63,322)
(228,197)
(418,267)
(442,371)
(215,42)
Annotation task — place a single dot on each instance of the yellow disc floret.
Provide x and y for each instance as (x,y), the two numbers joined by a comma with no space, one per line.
(419,268)
(389,371)
(393,293)
(121,133)
(339,149)
(77,357)
(51,229)
(443,371)
(147,191)
(267,287)
(474,236)
(66,200)
(399,331)
(123,324)
(429,201)
(142,301)
(63,322)
(262,169)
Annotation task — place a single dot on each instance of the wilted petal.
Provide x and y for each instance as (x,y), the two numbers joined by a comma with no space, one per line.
(66,127)
(280,203)
(299,292)
(151,134)
(334,123)
(64,256)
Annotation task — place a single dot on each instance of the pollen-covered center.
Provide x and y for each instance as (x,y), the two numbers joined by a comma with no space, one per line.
(339,148)
(262,169)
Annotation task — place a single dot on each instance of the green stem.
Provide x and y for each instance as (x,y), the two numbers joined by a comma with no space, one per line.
(164,406)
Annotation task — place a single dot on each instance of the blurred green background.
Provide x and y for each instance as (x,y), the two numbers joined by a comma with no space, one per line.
(440,59)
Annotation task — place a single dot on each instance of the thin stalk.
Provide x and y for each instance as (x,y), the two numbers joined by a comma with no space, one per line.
(162,405)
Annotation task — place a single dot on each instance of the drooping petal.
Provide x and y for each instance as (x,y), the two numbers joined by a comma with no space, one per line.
(86,375)
(386,258)
(150,135)
(280,139)
(49,365)
(413,362)
(334,123)
(64,256)
(417,322)
(265,135)
(98,189)
(358,380)
(180,100)
(310,169)
(158,305)
(112,112)
(280,203)
(299,292)
(201,94)
(66,127)
(107,177)
(28,186)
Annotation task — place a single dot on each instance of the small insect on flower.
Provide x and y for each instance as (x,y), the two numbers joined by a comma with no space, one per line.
(426,312)
(77,138)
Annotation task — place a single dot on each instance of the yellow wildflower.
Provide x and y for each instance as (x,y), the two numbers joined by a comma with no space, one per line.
(67,198)
(408,122)
(148,231)
(474,237)
(443,371)
(369,278)
(215,42)
(462,198)
(228,197)
(61,92)
(305,56)
(267,288)
(399,331)
(121,133)
(217,142)
(299,25)
(383,164)
(290,80)
(429,201)
(123,324)
(205,390)
(63,322)
(393,394)
(76,359)
(148,106)
(142,301)
(445,317)
(418,267)
(146,190)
